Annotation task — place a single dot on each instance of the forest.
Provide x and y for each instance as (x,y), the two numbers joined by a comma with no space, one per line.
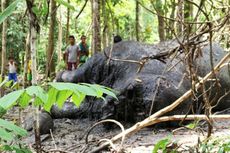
(119,76)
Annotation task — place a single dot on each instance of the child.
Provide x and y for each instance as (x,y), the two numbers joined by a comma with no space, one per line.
(12,70)
(71,54)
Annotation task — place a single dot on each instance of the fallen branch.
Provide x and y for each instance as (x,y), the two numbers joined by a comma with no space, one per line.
(152,119)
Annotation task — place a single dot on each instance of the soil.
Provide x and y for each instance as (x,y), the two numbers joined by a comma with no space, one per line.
(69,135)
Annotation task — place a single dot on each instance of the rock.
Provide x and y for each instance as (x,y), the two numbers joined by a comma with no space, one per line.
(45,123)
(136,90)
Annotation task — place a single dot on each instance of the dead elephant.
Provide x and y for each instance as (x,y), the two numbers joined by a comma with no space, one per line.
(163,80)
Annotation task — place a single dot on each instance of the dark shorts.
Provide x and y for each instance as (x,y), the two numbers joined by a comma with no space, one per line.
(71,65)
(13,76)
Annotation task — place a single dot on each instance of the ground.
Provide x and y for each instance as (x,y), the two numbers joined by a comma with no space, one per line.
(69,136)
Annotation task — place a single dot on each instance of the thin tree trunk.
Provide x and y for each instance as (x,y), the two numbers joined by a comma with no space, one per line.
(137,21)
(34,29)
(67,24)
(180,17)
(50,67)
(26,59)
(171,23)
(96,26)
(161,23)
(4,34)
(59,48)
(188,15)
(105,23)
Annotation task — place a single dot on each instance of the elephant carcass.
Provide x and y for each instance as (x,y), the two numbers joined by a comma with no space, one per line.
(136,90)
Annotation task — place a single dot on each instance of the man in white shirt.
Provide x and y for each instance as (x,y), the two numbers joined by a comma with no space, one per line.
(71,54)
(12,70)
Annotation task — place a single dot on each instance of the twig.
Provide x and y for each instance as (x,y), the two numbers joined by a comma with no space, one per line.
(51,133)
(105,121)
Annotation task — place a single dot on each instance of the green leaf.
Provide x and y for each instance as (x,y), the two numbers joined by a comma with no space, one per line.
(96,87)
(78,98)
(10,99)
(11,127)
(37,91)
(52,94)
(8,83)
(109,92)
(86,90)
(66,4)
(5,135)
(3,83)
(24,100)
(2,111)
(62,96)
(16,148)
(38,102)
(161,145)
(8,11)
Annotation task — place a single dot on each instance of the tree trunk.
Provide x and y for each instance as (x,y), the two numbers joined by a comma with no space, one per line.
(34,29)
(67,24)
(59,48)
(4,35)
(137,21)
(50,67)
(180,17)
(169,34)
(105,23)
(161,23)
(188,16)
(96,26)
(26,60)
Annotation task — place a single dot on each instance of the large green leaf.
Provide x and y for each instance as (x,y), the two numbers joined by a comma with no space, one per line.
(16,148)
(62,96)
(24,100)
(8,11)
(77,98)
(52,94)
(10,99)
(11,127)
(66,4)
(37,91)
(5,135)
(2,111)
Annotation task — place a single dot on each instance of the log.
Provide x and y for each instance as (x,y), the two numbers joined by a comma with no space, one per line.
(153,118)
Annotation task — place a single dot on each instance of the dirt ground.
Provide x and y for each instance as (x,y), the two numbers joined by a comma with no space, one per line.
(69,136)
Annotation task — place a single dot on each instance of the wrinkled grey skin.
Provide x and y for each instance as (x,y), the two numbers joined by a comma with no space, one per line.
(136,90)
(45,123)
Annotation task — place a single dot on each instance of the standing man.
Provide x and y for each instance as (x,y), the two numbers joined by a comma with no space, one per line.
(71,54)
(83,52)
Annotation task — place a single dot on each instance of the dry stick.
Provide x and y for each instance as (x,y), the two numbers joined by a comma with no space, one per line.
(153,118)
(109,142)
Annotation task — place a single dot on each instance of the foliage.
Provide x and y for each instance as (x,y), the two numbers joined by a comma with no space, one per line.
(57,94)
(161,145)
(8,133)
(165,145)
(215,145)
(8,11)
